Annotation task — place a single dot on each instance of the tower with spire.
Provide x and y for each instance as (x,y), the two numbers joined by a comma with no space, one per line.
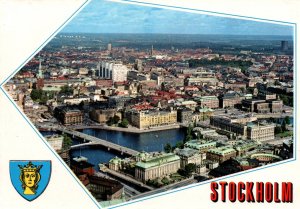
(40,72)
(40,76)
(151,52)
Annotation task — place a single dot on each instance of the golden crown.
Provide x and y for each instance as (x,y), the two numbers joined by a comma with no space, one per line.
(30,167)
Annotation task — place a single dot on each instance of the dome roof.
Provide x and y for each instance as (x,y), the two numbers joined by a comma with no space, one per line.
(115,160)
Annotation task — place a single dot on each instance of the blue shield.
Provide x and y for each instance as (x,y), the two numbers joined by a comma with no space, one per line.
(30,178)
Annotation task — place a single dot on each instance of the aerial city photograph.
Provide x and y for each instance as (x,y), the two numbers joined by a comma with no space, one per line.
(142,100)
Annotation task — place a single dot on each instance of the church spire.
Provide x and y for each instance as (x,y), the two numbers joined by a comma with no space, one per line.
(40,73)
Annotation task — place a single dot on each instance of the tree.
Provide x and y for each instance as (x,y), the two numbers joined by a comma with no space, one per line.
(188,136)
(113,120)
(36,94)
(287,120)
(181,172)
(165,181)
(41,96)
(67,142)
(287,100)
(179,145)
(277,83)
(189,169)
(66,90)
(283,126)
(154,182)
(168,148)
(278,130)
(116,119)
(124,123)
(110,122)
(189,130)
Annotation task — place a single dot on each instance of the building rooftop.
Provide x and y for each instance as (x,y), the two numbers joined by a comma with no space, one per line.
(160,159)
(247,161)
(186,152)
(205,109)
(231,94)
(189,102)
(115,160)
(222,150)
(156,112)
(257,125)
(204,98)
(248,144)
(199,144)
(53,137)
(257,155)
(106,182)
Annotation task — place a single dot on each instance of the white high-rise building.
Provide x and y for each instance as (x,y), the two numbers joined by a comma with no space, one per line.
(109,47)
(115,71)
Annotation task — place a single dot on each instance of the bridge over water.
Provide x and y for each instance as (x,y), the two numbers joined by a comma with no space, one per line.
(91,140)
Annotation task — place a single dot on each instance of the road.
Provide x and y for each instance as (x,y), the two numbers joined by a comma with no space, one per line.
(129,191)
(99,141)
(176,185)
(126,178)
(278,140)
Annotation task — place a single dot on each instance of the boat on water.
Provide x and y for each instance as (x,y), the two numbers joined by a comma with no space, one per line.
(80,159)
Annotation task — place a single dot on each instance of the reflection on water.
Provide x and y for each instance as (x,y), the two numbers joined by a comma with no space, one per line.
(149,142)
(95,155)
(153,141)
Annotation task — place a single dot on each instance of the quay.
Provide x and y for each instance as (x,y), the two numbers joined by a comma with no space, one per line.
(126,130)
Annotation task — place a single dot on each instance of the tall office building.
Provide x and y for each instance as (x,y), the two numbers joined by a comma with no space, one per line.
(110,70)
(139,64)
(109,47)
(151,52)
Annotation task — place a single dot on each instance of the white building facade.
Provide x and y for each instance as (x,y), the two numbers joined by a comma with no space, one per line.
(115,71)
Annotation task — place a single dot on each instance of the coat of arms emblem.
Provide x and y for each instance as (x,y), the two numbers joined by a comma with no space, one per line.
(30,178)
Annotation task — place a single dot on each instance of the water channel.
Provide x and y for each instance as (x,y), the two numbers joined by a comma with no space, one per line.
(149,142)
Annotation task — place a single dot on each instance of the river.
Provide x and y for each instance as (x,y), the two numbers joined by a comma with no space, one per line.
(149,142)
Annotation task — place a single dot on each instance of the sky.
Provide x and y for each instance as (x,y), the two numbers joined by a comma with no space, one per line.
(101,16)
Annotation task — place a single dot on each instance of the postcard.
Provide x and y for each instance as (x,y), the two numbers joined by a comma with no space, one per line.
(153,104)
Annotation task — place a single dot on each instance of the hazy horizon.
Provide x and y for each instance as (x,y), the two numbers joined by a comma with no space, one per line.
(111,17)
(192,34)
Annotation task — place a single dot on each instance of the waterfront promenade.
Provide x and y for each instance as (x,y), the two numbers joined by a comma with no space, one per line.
(127,130)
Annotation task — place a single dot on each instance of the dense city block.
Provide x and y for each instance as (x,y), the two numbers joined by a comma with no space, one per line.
(231,97)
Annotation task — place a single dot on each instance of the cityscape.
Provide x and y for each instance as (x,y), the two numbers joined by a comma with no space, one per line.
(136,114)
